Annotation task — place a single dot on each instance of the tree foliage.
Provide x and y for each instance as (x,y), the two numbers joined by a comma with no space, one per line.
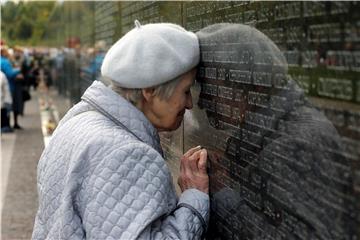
(44,22)
(25,22)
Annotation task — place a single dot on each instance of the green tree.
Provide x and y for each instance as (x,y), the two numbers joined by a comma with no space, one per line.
(25,22)
(23,29)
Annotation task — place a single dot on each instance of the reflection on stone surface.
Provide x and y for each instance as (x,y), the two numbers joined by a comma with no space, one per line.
(172,145)
(278,167)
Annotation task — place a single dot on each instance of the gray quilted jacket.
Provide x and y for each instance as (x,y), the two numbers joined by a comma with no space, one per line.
(103,176)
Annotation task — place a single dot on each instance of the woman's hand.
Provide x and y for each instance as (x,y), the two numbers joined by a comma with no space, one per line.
(193,172)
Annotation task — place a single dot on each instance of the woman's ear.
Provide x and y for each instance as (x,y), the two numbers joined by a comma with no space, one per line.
(148,94)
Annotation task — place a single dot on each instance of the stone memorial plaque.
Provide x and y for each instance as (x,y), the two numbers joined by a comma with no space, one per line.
(149,12)
(279,119)
(279,168)
(105,21)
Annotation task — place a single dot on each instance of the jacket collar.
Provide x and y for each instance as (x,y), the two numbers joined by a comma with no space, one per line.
(122,112)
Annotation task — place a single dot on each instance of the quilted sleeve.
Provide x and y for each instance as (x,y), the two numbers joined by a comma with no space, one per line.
(129,195)
(188,221)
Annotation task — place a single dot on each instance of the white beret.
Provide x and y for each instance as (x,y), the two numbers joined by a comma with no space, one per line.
(150,55)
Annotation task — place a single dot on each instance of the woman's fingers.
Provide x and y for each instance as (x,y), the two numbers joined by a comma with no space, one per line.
(202,164)
(196,161)
(191,151)
(193,170)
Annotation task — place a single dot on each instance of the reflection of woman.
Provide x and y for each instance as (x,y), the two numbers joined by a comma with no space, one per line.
(103,175)
(286,173)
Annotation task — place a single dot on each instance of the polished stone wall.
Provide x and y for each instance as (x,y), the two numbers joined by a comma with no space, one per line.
(278,111)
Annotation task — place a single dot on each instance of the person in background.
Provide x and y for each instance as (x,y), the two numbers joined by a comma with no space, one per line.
(17,56)
(103,175)
(93,69)
(14,77)
(6,102)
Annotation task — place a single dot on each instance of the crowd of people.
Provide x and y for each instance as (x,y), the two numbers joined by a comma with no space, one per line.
(22,68)
(20,71)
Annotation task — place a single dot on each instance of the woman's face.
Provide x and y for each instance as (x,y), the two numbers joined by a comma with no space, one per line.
(167,115)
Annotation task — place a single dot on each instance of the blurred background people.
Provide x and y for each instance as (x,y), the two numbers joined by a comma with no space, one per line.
(97,57)
(15,79)
(6,102)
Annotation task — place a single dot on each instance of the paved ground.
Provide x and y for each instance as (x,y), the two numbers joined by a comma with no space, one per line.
(20,152)
(7,143)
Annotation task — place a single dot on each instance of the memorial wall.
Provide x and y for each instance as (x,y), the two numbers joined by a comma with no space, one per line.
(283,138)
(277,108)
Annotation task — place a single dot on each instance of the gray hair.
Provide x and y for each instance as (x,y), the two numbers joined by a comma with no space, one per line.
(134,95)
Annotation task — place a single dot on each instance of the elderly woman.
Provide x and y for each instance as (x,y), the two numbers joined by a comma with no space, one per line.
(103,175)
